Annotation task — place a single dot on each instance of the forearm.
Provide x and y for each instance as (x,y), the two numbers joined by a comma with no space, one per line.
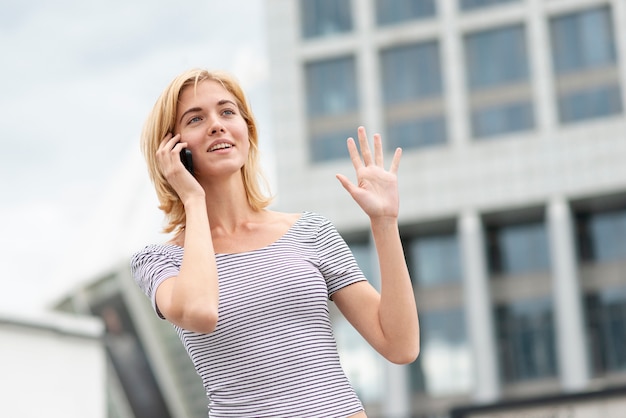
(195,294)
(397,311)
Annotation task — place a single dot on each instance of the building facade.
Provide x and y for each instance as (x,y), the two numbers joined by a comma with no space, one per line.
(511,118)
(52,364)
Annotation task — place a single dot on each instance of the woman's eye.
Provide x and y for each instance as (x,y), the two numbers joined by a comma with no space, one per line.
(229,112)
(194,119)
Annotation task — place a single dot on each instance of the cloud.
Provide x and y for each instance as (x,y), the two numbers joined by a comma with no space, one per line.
(78,80)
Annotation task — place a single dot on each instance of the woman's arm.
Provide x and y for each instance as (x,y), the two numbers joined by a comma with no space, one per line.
(189,300)
(388,321)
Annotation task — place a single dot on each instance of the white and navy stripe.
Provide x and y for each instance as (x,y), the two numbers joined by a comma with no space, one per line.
(272,353)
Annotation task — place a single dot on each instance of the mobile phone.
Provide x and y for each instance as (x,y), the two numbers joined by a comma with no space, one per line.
(185,157)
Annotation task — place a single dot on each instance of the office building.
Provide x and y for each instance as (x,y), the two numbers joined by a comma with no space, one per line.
(511,118)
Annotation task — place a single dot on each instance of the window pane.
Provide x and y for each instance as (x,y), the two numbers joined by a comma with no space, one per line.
(325,17)
(475,4)
(526,341)
(590,103)
(331,87)
(363,254)
(583,40)
(396,11)
(435,260)
(607,232)
(330,146)
(416,133)
(505,118)
(363,365)
(496,57)
(519,248)
(444,366)
(606,325)
(410,72)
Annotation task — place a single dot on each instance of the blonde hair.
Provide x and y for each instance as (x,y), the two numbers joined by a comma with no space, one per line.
(162,119)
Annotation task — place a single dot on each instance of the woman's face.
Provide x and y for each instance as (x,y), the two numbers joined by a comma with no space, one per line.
(209,121)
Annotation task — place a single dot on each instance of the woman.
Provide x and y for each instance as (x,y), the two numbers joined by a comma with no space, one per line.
(246,287)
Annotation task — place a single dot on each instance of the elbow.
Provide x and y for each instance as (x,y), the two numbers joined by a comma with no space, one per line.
(404,354)
(202,320)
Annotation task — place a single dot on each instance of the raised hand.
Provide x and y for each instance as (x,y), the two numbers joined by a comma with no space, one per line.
(376,191)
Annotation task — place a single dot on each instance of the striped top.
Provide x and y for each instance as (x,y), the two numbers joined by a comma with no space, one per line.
(272,353)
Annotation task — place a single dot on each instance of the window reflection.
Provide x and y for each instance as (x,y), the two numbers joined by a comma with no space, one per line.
(606,326)
(602,235)
(526,342)
(497,74)
(363,365)
(435,259)
(518,248)
(444,366)
(331,86)
(582,40)
(411,71)
(331,106)
(325,17)
(496,57)
(585,59)
(477,4)
(412,89)
(396,11)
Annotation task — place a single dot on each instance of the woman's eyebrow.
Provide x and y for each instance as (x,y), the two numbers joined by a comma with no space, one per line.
(191,110)
(226,101)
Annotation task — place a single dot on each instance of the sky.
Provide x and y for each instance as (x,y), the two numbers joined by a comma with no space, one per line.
(78,79)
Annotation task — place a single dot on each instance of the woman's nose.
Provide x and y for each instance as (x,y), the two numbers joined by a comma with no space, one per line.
(216,127)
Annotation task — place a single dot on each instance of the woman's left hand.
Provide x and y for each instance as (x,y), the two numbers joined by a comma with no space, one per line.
(376,191)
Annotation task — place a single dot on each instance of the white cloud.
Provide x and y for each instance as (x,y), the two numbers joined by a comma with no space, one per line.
(77,81)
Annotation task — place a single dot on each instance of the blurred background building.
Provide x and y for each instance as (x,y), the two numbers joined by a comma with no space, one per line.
(513,198)
(513,183)
(52,364)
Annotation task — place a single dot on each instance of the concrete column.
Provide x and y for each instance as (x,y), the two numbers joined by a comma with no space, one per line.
(618,8)
(541,67)
(452,61)
(570,330)
(478,308)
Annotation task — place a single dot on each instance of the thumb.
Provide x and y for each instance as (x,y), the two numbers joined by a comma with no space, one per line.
(347,184)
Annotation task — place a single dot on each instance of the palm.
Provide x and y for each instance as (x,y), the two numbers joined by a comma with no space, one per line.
(376,191)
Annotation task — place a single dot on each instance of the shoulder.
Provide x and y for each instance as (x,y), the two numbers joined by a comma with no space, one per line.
(156,251)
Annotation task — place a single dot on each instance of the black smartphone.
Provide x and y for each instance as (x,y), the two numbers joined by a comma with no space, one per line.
(185,157)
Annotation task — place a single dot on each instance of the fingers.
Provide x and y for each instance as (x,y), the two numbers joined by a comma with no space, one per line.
(378,150)
(169,142)
(395,162)
(354,154)
(364,146)
(365,157)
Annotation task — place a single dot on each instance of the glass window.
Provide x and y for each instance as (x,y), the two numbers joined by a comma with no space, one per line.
(330,146)
(518,248)
(444,365)
(363,254)
(476,4)
(331,86)
(501,119)
(496,57)
(410,72)
(525,338)
(435,259)
(325,17)
(583,40)
(396,11)
(416,133)
(602,235)
(592,102)
(606,329)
